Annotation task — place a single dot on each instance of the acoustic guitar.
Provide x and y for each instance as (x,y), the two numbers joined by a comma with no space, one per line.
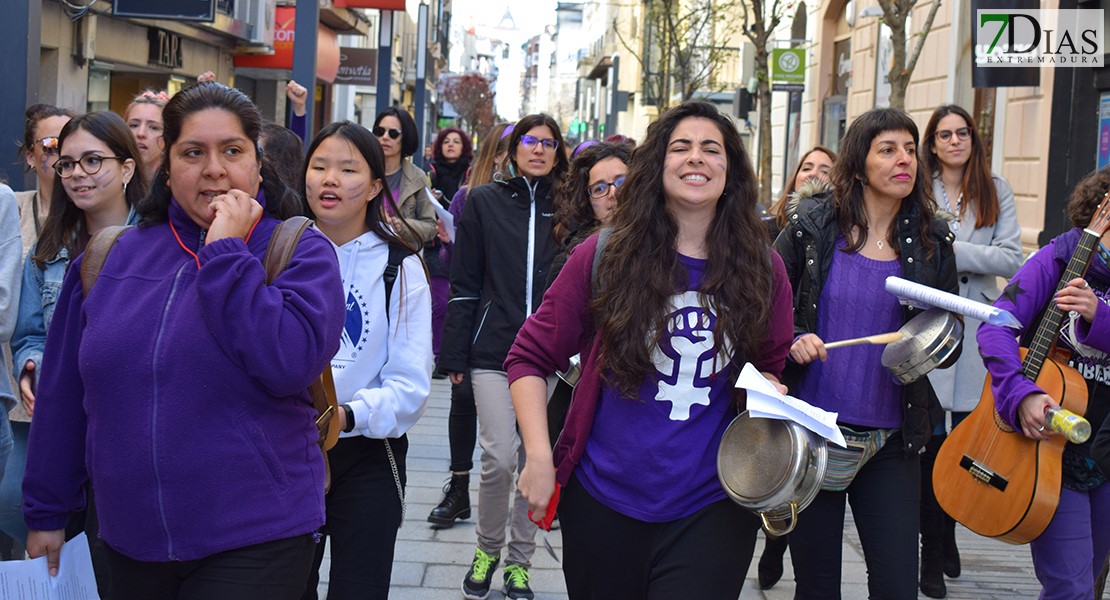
(990,477)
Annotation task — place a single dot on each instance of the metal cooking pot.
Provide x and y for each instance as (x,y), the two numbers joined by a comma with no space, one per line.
(573,372)
(771,467)
(927,341)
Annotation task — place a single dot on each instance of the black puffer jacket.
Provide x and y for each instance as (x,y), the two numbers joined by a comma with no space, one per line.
(807,245)
(503,251)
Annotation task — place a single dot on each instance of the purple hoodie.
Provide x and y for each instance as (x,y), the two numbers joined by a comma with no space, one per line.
(181,393)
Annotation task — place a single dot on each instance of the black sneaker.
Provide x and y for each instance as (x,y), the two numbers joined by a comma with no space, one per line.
(476,584)
(516,583)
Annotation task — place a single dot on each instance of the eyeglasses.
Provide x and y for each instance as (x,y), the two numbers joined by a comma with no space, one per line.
(601,188)
(90,164)
(393,133)
(530,142)
(962,133)
(49,145)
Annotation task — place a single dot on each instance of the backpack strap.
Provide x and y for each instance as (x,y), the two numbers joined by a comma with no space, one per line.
(397,255)
(97,252)
(283,243)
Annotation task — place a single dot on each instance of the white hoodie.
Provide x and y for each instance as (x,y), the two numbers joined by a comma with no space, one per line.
(384,377)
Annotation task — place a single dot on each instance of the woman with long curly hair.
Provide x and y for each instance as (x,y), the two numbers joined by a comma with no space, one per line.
(839,252)
(643,512)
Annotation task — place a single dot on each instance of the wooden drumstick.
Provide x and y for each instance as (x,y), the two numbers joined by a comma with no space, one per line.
(880,338)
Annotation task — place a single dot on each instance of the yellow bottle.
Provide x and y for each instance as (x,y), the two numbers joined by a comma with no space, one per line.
(1068,424)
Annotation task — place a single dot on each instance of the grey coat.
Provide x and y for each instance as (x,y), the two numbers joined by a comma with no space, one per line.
(983,254)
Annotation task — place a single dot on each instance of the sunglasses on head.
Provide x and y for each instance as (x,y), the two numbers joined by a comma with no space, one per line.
(393,133)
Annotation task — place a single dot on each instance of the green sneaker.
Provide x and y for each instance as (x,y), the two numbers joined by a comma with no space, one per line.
(476,584)
(516,583)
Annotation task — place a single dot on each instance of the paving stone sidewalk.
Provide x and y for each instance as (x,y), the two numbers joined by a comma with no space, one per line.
(431,564)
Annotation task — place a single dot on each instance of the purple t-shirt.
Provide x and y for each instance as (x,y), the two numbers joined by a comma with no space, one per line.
(684,407)
(853,381)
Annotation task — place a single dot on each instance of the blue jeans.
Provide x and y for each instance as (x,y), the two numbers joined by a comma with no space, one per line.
(11,485)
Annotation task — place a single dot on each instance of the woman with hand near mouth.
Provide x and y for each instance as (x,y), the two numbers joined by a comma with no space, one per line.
(981,213)
(144,117)
(686,292)
(397,135)
(503,250)
(839,252)
(98,183)
(179,384)
(383,368)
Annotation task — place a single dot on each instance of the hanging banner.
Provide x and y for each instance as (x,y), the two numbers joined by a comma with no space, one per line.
(203,11)
(983,76)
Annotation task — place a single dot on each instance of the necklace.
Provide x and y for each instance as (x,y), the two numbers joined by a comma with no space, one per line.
(880,244)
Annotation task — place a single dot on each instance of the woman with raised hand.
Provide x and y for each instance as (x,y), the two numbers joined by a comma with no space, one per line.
(179,384)
(384,365)
(503,250)
(462,420)
(144,117)
(396,132)
(839,251)
(981,213)
(643,512)
(41,126)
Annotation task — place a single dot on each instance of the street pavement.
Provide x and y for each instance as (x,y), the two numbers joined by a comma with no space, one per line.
(431,564)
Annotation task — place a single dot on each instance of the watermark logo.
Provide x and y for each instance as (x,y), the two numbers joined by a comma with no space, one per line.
(1032,38)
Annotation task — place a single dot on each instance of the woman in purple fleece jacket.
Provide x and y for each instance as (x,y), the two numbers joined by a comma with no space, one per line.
(1071,552)
(178,386)
(643,513)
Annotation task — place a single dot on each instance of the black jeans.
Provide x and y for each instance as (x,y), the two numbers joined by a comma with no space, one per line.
(462,425)
(267,571)
(609,556)
(885,498)
(363,513)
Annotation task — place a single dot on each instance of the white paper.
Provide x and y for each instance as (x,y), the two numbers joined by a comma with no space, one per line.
(765,402)
(444,215)
(924,296)
(30,580)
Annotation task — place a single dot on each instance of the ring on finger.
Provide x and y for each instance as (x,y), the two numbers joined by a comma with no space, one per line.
(1041,428)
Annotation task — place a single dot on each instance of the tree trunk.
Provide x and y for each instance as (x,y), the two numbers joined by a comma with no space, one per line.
(764,94)
(898,77)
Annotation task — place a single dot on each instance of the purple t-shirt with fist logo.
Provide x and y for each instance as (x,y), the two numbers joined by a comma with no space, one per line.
(683,407)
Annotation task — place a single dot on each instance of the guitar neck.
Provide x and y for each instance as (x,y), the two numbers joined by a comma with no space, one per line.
(1044,340)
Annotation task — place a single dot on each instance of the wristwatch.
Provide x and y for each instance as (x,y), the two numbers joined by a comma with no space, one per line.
(349,426)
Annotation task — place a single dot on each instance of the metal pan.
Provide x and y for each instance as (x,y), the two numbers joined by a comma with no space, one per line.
(928,340)
(771,467)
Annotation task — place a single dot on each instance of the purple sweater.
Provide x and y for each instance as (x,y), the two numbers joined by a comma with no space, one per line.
(181,393)
(559,329)
(1029,292)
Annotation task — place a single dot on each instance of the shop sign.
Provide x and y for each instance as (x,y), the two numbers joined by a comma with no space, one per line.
(357,66)
(379,4)
(169,10)
(165,48)
(788,65)
(285,31)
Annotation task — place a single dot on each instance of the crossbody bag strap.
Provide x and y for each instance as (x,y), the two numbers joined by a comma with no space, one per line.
(97,252)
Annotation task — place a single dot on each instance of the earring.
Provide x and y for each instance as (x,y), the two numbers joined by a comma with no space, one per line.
(125,187)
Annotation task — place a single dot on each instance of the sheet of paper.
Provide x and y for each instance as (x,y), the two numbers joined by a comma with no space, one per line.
(924,296)
(765,402)
(444,215)
(29,579)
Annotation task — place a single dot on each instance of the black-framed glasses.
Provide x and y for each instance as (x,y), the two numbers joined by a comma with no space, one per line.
(601,188)
(49,145)
(90,164)
(530,141)
(393,133)
(944,135)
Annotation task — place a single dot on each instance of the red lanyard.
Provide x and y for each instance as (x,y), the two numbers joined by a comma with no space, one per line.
(194,254)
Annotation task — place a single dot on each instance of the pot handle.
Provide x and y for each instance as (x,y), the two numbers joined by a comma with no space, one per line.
(772,530)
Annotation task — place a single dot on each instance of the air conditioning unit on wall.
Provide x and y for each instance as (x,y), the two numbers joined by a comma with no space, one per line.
(259,14)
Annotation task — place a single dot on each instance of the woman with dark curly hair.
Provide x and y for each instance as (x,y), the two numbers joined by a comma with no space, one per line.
(688,291)
(839,251)
(451,155)
(1069,555)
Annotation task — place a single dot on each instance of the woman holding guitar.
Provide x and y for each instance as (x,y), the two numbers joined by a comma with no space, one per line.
(1070,552)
